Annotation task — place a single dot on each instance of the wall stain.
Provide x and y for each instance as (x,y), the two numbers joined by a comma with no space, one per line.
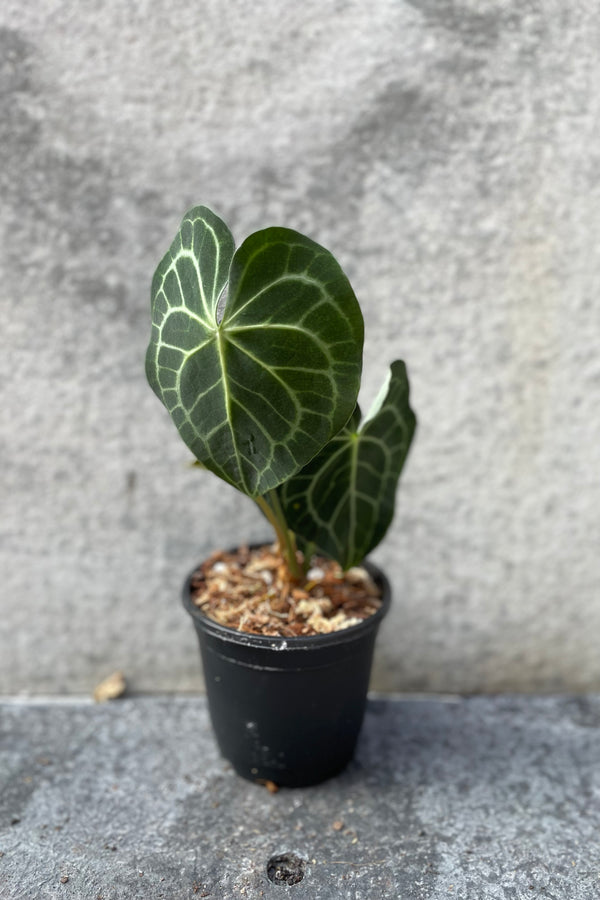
(68,205)
(403,124)
(478,28)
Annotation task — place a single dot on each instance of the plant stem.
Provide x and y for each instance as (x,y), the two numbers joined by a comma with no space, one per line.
(309,550)
(271,507)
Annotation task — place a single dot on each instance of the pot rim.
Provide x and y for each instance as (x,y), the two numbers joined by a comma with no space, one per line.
(299,642)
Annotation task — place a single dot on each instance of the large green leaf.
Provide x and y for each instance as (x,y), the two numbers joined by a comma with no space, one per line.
(343,500)
(259,380)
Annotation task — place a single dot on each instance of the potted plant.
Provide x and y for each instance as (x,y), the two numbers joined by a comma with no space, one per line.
(257,355)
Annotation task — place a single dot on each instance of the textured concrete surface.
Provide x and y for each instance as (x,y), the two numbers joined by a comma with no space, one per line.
(448,153)
(487,798)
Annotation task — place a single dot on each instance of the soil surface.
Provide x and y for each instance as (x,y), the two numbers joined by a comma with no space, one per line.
(251,590)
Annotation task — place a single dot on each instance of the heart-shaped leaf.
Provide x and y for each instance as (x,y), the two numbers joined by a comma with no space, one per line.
(259,381)
(343,500)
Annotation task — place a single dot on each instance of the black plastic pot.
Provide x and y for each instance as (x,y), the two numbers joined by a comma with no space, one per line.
(288,710)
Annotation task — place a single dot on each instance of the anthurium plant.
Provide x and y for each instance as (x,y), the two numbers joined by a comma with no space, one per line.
(257,355)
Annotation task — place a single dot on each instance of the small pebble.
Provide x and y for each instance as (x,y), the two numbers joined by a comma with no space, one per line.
(111,688)
(356,575)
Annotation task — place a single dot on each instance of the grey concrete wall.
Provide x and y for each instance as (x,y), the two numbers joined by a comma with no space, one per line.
(449,154)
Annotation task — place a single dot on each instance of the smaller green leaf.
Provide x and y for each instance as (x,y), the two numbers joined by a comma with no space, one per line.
(343,500)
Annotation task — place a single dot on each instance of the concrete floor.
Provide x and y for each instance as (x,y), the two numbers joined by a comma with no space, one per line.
(468,798)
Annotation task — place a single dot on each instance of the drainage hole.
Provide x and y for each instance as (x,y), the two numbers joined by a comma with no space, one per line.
(286,868)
